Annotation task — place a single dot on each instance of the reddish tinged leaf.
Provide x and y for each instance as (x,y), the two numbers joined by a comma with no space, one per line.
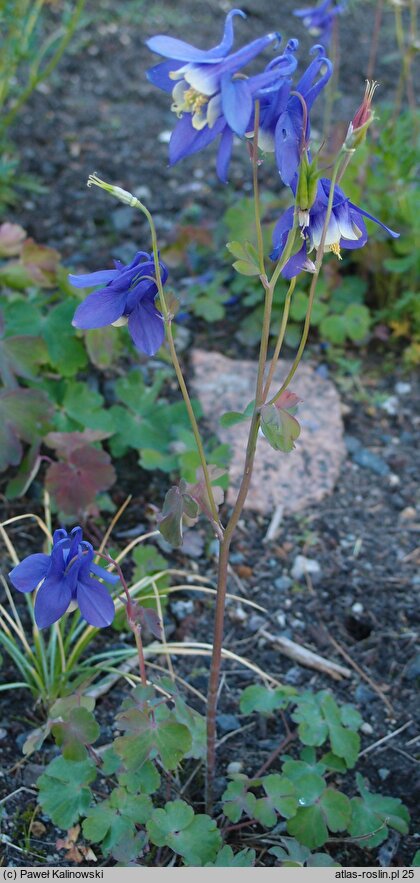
(288,401)
(199,490)
(148,618)
(25,415)
(178,502)
(65,443)
(280,428)
(12,237)
(41,262)
(75,483)
(20,355)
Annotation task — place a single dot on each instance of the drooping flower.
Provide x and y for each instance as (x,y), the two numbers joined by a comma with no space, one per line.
(285,112)
(292,132)
(346,229)
(319,19)
(210,96)
(128,296)
(64,579)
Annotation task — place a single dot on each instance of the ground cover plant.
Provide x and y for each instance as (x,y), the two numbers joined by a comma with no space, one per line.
(151,794)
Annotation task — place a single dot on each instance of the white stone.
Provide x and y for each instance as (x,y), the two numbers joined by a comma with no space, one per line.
(295,480)
(302,565)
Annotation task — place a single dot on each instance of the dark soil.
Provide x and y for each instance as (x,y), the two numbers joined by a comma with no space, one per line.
(100,113)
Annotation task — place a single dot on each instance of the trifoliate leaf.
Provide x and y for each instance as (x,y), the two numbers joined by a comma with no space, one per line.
(63,790)
(195,837)
(373,813)
(264,699)
(77,730)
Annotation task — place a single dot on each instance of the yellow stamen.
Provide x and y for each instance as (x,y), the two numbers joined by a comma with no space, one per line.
(335,248)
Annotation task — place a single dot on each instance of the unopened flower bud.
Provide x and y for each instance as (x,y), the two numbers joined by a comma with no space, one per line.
(123,195)
(306,189)
(362,119)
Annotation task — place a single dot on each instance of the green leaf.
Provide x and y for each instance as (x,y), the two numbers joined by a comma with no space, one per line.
(196,724)
(226,859)
(86,407)
(373,813)
(231,418)
(280,798)
(146,779)
(66,352)
(416,860)
(333,328)
(63,790)
(357,319)
(307,778)
(151,735)
(21,356)
(115,818)
(178,503)
(77,730)
(345,742)
(279,427)
(296,855)
(264,699)
(195,837)
(103,346)
(238,800)
(319,717)
(310,825)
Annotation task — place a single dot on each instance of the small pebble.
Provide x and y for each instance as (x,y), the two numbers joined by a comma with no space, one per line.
(236,766)
(283,583)
(364,694)
(394,480)
(413,669)
(368,460)
(391,406)
(281,619)
(383,773)
(357,607)
(181,609)
(402,389)
(294,676)
(366,728)
(256,622)
(303,566)
(3,733)
(408,513)
(227,722)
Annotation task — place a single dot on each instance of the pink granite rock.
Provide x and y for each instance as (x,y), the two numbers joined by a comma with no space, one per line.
(294,480)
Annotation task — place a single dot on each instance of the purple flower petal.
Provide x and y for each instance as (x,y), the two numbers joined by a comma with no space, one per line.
(146,327)
(224,154)
(52,600)
(100,308)
(181,51)
(237,104)
(104,574)
(281,231)
(185,140)
(296,264)
(88,280)
(95,604)
(28,574)
(159,75)
(287,146)
(372,218)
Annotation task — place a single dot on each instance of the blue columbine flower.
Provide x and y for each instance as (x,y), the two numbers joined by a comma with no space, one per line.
(346,229)
(207,95)
(65,578)
(319,19)
(282,113)
(289,136)
(128,295)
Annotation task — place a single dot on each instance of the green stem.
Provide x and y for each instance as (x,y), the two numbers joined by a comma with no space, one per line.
(280,338)
(318,263)
(225,542)
(48,69)
(178,370)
